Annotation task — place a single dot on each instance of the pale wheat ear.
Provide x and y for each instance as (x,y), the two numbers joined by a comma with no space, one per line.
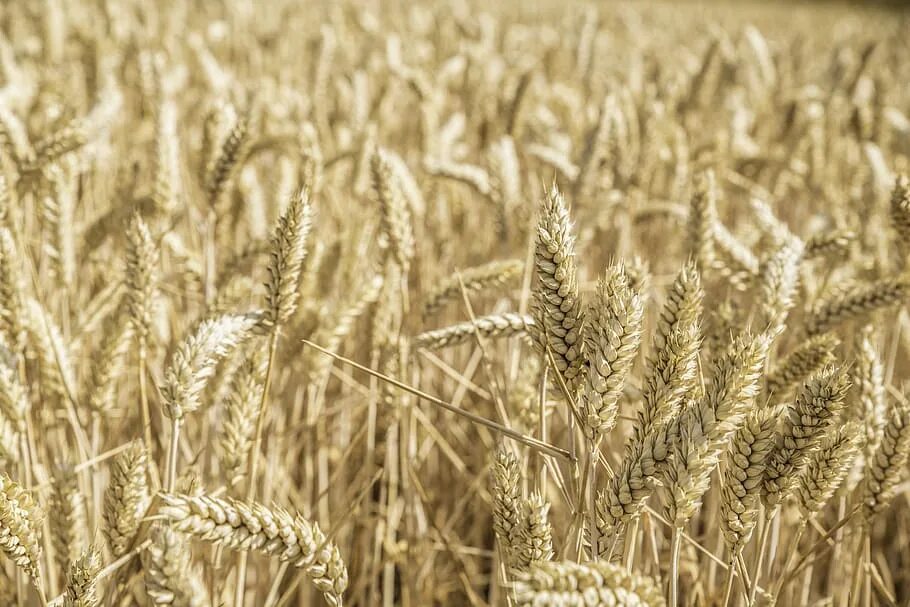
(274,532)
(565,582)
(556,303)
(493,326)
(495,274)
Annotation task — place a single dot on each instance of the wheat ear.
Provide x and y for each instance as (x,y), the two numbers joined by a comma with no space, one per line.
(82,580)
(126,498)
(488,275)
(612,341)
(556,305)
(815,408)
(168,570)
(884,470)
(20,527)
(274,532)
(598,583)
(493,326)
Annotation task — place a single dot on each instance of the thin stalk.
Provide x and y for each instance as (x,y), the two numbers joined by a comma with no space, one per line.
(763,540)
(631,541)
(146,414)
(788,562)
(675,545)
(173,455)
(728,586)
(535,444)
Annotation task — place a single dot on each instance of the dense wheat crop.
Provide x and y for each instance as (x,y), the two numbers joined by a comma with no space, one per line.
(453,303)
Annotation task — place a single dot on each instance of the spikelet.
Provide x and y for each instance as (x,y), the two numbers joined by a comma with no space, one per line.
(611,344)
(489,275)
(20,527)
(826,469)
(126,498)
(242,407)
(809,357)
(884,470)
(68,521)
(81,580)
(506,494)
(858,303)
(141,276)
(288,252)
(394,212)
(168,570)
(493,326)
(742,480)
(534,538)
(703,219)
(194,361)
(556,304)
(816,407)
(594,584)
(274,532)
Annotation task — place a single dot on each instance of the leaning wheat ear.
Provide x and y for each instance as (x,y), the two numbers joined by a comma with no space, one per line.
(20,527)
(598,583)
(811,356)
(493,274)
(274,532)
(742,479)
(886,467)
(493,326)
(194,361)
(816,408)
(556,303)
(826,469)
(859,302)
(705,426)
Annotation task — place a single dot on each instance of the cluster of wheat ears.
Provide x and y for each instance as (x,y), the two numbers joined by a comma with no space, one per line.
(453,303)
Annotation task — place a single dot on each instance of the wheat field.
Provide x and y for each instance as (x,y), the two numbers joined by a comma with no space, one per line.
(451,303)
